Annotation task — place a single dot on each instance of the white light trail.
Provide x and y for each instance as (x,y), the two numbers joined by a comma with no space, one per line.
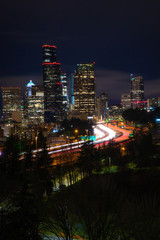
(111,133)
(102,133)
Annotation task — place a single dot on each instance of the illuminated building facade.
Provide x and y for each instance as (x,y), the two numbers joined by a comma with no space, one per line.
(103,105)
(84,89)
(153,103)
(65,93)
(53,99)
(115,112)
(98,108)
(137,91)
(34,104)
(72,89)
(126,101)
(11,102)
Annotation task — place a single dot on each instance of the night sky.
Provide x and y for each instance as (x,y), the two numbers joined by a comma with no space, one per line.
(122,37)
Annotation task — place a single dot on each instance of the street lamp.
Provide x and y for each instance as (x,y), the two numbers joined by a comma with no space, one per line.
(76,131)
(86,130)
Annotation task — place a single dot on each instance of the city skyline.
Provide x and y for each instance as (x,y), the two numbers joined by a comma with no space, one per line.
(121,37)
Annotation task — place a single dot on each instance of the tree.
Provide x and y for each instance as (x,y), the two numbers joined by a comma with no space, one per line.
(98,202)
(86,161)
(43,168)
(10,156)
(143,217)
(60,220)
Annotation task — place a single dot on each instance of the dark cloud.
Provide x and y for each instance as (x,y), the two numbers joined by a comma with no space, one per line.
(114,83)
(152,88)
(122,36)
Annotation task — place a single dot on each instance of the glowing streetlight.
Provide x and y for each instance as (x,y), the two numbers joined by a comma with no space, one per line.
(76,131)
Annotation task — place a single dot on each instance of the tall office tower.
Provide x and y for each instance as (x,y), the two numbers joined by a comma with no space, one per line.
(137,91)
(72,89)
(98,108)
(103,104)
(84,89)
(65,93)
(34,108)
(11,101)
(53,99)
(28,93)
(126,101)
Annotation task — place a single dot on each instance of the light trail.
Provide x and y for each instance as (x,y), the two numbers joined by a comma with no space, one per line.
(67,147)
(111,134)
(102,132)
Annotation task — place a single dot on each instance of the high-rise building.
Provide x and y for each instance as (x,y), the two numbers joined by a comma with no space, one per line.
(53,99)
(84,89)
(98,108)
(126,101)
(65,93)
(72,89)
(103,104)
(34,108)
(115,112)
(137,91)
(11,102)
(49,53)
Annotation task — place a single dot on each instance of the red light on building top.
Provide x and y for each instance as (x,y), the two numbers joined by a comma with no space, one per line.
(94,62)
(51,63)
(49,46)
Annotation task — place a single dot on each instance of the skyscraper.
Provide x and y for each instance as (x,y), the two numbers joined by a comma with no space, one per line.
(65,93)
(11,102)
(84,89)
(137,91)
(126,101)
(53,105)
(34,107)
(104,104)
(101,106)
(72,89)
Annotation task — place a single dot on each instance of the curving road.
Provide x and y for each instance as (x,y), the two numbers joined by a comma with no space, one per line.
(103,134)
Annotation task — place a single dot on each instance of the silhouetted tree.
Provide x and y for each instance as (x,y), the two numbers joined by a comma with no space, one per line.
(60,220)
(143,217)
(98,202)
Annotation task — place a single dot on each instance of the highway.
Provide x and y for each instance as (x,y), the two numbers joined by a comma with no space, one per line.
(104,133)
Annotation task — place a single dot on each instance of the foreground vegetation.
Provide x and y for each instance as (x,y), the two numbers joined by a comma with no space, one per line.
(103,205)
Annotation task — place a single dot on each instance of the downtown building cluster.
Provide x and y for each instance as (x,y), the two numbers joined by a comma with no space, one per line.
(135,99)
(49,103)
